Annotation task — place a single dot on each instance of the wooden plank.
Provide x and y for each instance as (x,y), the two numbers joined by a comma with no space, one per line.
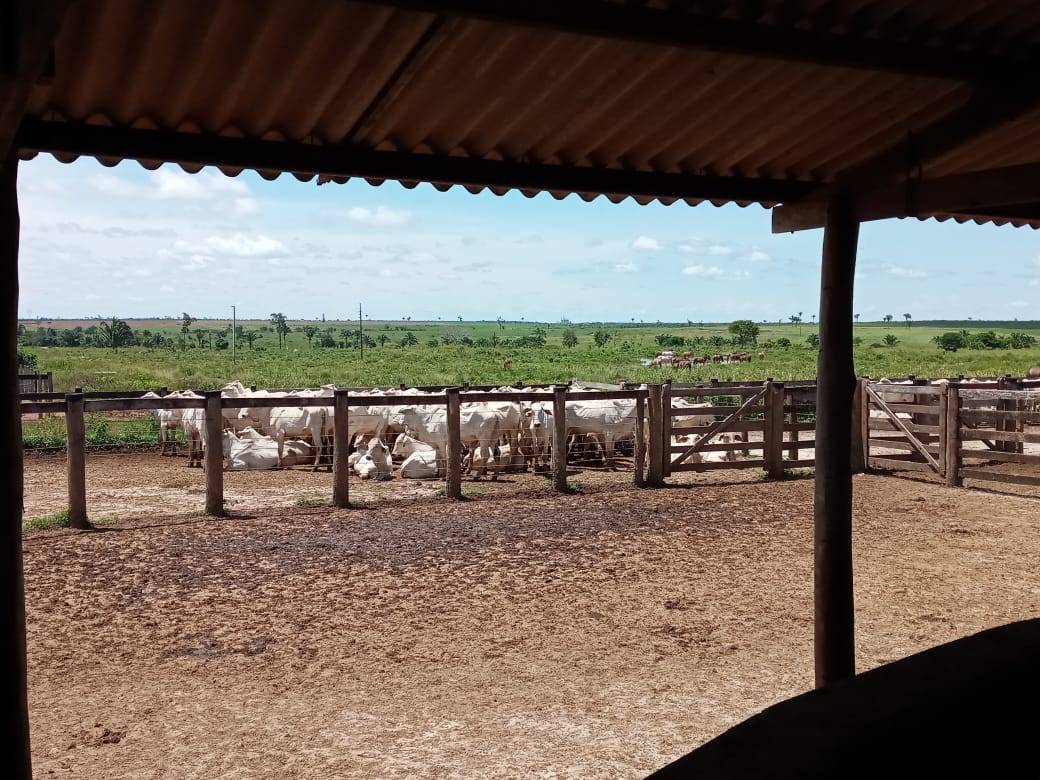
(715,411)
(998,395)
(655,447)
(997,455)
(666,427)
(42,407)
(1010,479)
(972,434)
(725,446)
(724,465)
(742,426)
(800,463)
(142,404)
(930,391)
(885,424)
(1000,414)
(639,456)
(795,427)
(902,444)
(891,464)
(928,409)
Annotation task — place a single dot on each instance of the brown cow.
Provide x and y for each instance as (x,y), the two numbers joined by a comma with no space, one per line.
(1033,373)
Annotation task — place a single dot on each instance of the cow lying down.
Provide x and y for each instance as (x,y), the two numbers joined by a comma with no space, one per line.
(251,450)
(375,463)
(420,458)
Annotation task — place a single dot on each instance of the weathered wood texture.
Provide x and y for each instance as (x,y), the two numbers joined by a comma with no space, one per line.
(453,468)
(655,447)
(559,439)
(834,638)
(340,445)
(639,455)
(76,459)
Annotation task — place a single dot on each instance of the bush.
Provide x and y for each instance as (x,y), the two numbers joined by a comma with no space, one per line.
(890,340)
(666,340)
(950,341)
(813,340)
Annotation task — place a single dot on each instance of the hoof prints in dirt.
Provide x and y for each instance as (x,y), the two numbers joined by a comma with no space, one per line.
(213,649)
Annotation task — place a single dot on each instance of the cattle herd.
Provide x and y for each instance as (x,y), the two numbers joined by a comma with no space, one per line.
(496,436)
(688,360)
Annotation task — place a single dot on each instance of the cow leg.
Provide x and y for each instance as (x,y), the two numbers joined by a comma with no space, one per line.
(608,451)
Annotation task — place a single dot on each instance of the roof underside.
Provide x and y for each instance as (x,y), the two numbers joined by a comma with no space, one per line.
(381,90)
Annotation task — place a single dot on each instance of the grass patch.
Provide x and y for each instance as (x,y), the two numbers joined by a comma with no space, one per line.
(303,501)
(49,433)
(57,520)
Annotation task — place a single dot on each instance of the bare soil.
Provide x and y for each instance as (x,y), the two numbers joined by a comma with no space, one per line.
(513,635)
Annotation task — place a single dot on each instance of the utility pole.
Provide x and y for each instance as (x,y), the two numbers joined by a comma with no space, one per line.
(234,327)
(361,332)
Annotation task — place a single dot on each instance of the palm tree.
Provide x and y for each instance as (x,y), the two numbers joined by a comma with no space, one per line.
(888,318)
(855,317)
(114,334)
(907,318)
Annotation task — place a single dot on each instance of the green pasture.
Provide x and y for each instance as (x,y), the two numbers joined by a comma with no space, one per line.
(301,363)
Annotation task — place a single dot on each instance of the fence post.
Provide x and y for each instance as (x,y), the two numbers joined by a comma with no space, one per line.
(773,429)
(76,453)
(1016,425)
(640,450)
(666,422)
(340,445)
(656,447)
(559,439)
(214,455)
(453,468)
(953,437)
(792,449)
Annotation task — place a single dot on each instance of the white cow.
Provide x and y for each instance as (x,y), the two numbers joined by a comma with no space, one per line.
(479,429)
(283,422)
(605,421)
(375,464)
(194,423)
(169,421)
(255,451)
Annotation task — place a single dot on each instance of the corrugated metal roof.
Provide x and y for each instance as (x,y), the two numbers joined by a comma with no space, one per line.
(364,75)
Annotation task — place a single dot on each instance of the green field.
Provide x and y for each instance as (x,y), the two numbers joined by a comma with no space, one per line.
(301,363)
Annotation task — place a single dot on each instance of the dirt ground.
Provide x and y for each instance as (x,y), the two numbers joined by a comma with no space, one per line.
(515,635)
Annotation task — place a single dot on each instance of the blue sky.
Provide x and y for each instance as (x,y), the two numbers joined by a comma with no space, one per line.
(129,242)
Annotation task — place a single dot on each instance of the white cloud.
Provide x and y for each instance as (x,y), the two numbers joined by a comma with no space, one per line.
(904,273)
(758,256)
(245,206)
(175,184)
(1036,261)
(1019,305)
(626,268)
(687,248)
(1034,282)
(702,270)
(720,250)
(241,245)
(111,185)
(380,216)
(646,242)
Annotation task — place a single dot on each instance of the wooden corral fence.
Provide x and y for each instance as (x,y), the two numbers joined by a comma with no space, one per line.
(953,431)
(75,405)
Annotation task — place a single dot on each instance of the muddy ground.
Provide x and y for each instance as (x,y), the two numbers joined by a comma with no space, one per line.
(513,635)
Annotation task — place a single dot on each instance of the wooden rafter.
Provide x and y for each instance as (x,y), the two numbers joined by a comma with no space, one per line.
(351,161)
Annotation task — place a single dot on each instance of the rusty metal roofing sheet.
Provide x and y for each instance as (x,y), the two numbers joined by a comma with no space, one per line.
(364,74)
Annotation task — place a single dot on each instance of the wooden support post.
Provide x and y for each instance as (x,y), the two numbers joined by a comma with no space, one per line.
(773,429)
(559,439)
(76,455)
(14,744)
(214,455)
(864,423)
(453,468)
(792,452)
(640,450)
(1016,426)
(952,443)
(340,447)
(834,639)
(666,433)
(655,447)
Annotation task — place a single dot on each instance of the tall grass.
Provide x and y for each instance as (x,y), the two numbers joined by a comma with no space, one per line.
(49,433)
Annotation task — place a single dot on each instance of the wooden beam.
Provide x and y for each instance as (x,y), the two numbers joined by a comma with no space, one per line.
(14,739)
(997,191)
(309,159)
(688,29)
(832,511)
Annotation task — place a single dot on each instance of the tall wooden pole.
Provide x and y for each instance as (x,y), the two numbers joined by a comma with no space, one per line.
(340,450)
(14,738)
(76,460)
(559,439)
(453,468)
(836,381)
(214,455)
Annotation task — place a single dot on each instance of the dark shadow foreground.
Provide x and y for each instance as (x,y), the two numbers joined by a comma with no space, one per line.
(966,708)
